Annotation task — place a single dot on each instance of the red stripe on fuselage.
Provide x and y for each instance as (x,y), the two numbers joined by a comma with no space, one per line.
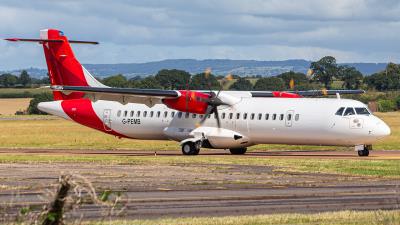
(81,111)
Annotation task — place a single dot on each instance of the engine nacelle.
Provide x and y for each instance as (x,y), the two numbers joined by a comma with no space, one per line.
(189,101)
(221,138)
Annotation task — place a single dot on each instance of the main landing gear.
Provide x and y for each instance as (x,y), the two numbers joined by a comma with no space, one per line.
(238,151)
(191,148)
(365,150)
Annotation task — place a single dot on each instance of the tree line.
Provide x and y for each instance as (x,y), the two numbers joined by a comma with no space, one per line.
(8,80)
(322,74)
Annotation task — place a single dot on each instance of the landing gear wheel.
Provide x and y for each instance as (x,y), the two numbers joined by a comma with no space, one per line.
(364,152)
(238,151)
(190,148)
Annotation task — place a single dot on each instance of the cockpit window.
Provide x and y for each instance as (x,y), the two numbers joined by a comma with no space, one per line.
(362,111)
(340,111)
(349,111)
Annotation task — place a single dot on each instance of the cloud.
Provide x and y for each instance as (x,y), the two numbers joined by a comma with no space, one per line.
(138,31)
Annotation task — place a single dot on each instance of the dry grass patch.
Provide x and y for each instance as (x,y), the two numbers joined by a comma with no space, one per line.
(8,106)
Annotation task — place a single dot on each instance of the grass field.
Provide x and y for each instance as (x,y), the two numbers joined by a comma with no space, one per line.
(329,218)
(53,132)
(8,106)
(23,90)
(357,167)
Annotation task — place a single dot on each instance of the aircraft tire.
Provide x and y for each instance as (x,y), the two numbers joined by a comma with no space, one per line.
(190,148)
(363,153)
(238,151)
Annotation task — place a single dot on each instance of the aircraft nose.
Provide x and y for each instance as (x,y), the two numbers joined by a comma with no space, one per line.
(382,130)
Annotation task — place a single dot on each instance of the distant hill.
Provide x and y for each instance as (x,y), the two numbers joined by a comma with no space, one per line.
(218,66)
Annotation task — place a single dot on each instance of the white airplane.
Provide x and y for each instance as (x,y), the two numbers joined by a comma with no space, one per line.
(231,120)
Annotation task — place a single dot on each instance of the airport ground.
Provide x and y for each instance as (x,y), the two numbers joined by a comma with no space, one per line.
(272,184)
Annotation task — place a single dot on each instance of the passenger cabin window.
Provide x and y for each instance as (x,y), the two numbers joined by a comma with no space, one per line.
(165,114)
(223,116)
(349,111)
(138,114)
(132,113)
(281,117)
(237,116)
(125,113)
(186,115)
(274,116)
(230,116)
(266,116)
(172,114)
(179,115)
(297,117)
(119,113)
(259,116)
(194,116)
(201,116)
(289,117)
(244,116)
(362,111)
(252,116)
(158,114)
(340,111)
(144,113)
(151,114)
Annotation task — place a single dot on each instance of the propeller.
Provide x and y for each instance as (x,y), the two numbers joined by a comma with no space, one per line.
(214,101)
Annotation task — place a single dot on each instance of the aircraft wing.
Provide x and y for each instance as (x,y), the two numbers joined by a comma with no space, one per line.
(182,100)
(299,94)
(148,97)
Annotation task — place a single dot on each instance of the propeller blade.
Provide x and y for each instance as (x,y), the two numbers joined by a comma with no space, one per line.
(208,112)
(220,89)
(217,117)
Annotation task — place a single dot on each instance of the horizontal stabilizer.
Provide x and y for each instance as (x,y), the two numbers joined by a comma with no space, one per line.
(50,40)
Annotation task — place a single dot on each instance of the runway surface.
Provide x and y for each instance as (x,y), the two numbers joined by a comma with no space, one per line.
(322,154)
(182,189)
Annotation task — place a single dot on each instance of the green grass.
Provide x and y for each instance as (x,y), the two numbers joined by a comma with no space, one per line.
(355,167)
(21,92)
(328,218)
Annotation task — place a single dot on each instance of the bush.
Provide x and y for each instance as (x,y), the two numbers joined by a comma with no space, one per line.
(397,100)
(386,105)
(42,97)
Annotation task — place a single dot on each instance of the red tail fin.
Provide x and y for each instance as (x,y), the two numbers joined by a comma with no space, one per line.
(64,69)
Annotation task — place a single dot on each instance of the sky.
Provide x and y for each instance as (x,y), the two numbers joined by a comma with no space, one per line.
(151,30)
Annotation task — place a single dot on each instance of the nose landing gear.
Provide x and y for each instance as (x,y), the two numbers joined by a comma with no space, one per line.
(364,150)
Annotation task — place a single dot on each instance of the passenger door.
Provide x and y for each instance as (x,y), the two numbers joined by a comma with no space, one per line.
(289,118)
(107,119)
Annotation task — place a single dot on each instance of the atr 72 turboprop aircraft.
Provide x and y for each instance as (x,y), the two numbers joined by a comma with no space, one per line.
(231,120)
